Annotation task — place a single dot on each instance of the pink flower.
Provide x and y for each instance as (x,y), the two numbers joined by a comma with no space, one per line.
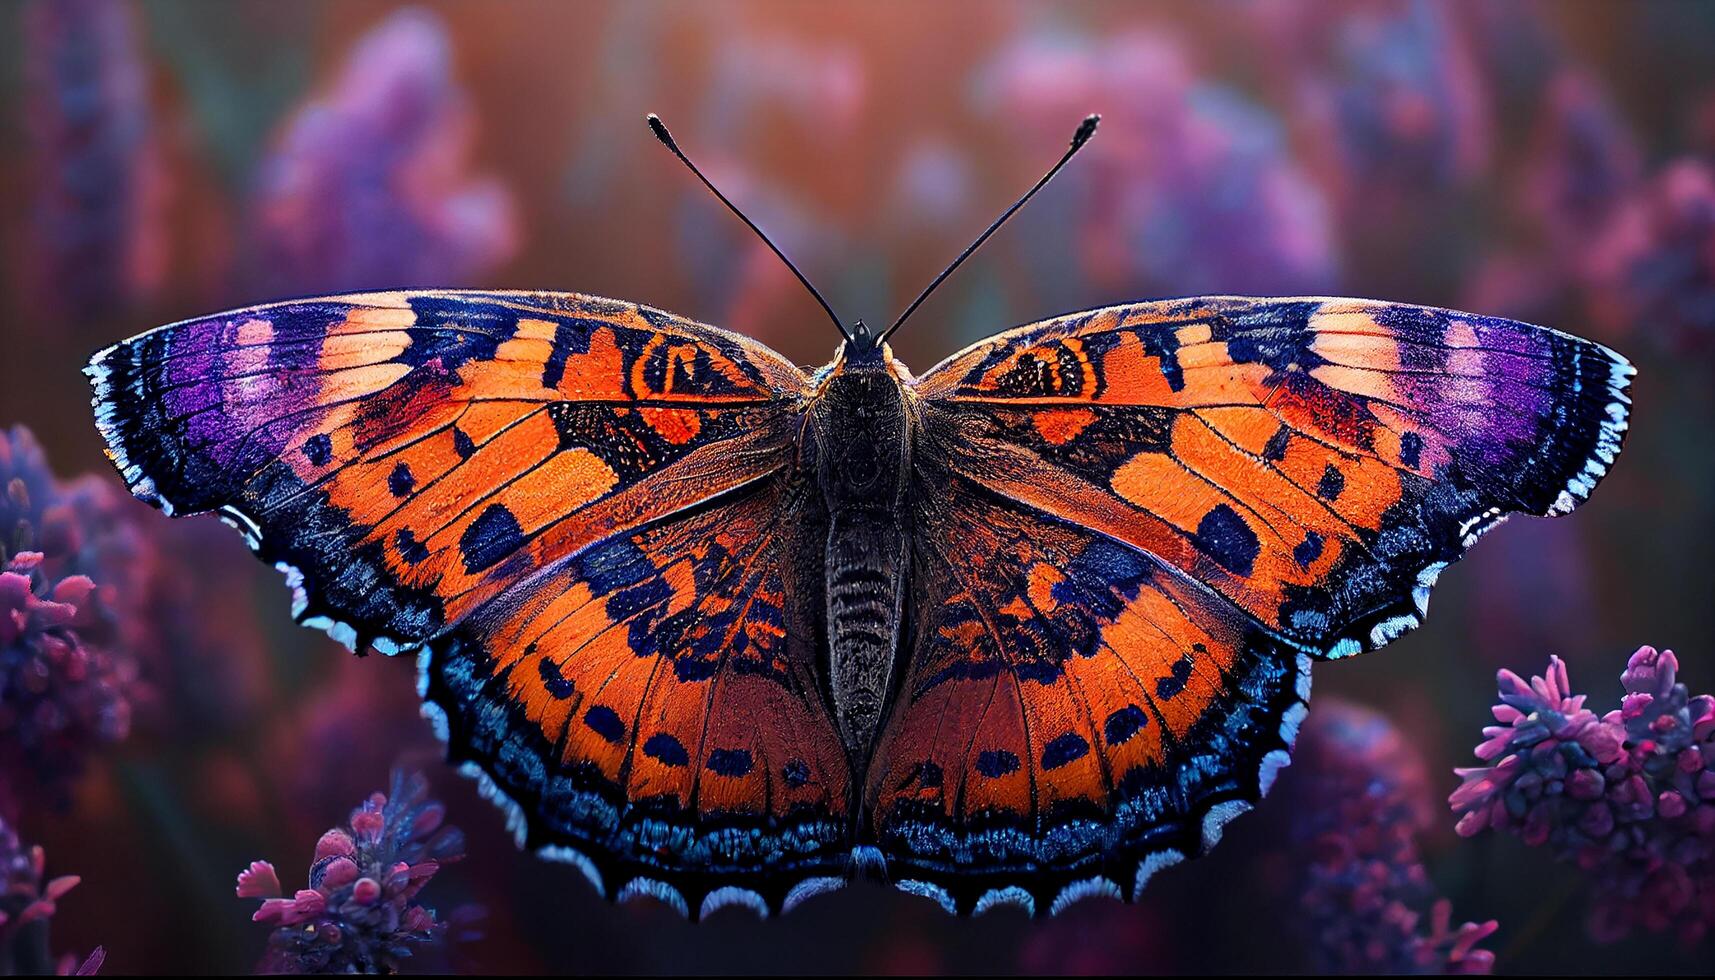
(360,912)
(1360,796)
(1629,797)
(28,899)
(370,184)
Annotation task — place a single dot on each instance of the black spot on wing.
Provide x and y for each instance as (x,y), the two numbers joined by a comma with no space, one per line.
(1275,450)
(1123,724)
(730,762)
(1332,484)
(410,549)
(1308,550)
(453,332)
(318,449)
(1410,449)
(1064,749)
(605,721)
(666,750)
(1161,341)
(1225,537)
(491,537)
(462,443)
(1174,682)
(558,686)
(1277,335)
(401,482)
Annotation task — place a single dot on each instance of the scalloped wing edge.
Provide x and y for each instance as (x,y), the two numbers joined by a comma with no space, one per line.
(1210,821)
(1393,622)
(610,878)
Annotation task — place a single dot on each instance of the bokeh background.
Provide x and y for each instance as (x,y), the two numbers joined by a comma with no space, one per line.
(1550,162)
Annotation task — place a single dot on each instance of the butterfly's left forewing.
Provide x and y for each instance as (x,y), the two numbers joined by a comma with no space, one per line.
(1137,527)
(579,510)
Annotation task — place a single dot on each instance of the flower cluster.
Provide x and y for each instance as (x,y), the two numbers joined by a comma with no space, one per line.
(27,902)
(98,180)
(360,913)
(1400,103)
(1360,798)
(1191,188)
(1629,797)
(1655,263)
(63,692)
(368,187)
(174,591)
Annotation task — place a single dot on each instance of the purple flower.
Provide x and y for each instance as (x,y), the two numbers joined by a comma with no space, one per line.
(174,593)
(1654,265)
(63,693)
(1629,797)
(360,913)
(96,166)
(1581,164)
(1401,106)
(28,900)
(1360,798)
(369,185)
(1188,188)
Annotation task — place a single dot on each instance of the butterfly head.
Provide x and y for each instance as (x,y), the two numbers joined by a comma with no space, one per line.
(864,351)
(863,346)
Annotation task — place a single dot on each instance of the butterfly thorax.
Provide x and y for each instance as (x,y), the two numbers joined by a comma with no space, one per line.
(862,438)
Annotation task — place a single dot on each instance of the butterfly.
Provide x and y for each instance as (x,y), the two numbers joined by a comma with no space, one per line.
(1031,626)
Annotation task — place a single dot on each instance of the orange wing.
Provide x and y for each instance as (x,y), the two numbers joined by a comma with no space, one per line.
(653,703)
(1077,713)
(1137,527)
(404,453)
(1316,462)
(427,467)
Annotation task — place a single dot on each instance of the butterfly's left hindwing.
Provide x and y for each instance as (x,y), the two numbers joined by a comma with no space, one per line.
(1077,714)
(573,505)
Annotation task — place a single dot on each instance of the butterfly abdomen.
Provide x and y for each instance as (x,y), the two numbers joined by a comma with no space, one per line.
(862,454)
(866,575)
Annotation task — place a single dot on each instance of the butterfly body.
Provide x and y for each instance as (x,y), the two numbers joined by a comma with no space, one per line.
(862,447)
(1030,626)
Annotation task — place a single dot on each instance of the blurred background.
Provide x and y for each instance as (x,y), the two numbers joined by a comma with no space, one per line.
(1549,162)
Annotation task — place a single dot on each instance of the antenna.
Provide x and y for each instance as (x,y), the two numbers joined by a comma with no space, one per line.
(1086,129)
(660,131)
